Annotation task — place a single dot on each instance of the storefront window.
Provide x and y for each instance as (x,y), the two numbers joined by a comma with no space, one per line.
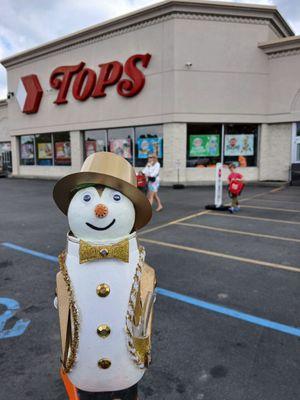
(62,148)
(120,141)
(95,140)
(44,149)
(203,145)
(148,139)
(27,151)
(297,152)
(240,144)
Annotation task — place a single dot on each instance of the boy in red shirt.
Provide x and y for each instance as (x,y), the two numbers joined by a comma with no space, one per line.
(236,186)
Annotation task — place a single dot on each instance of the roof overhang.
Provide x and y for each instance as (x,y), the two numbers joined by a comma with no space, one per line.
(165,8)
(280,46)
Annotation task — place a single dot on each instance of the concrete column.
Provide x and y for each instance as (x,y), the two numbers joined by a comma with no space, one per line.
(76,150)
(275,152)
(15,153)
(262,144)
(174,152)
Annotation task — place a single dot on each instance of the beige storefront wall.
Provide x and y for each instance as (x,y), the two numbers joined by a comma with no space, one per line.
(234,77)
(4,132)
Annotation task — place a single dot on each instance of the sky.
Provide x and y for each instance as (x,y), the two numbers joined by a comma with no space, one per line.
(25,24)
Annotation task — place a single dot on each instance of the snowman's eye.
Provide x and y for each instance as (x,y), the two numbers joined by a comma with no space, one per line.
(117,197)
(86,198)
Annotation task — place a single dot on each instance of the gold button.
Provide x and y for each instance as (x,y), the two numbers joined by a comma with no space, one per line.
(103,331)
(104,363)
(103,290)
(104,252)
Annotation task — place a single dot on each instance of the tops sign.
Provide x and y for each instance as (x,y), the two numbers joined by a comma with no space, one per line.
(86,82)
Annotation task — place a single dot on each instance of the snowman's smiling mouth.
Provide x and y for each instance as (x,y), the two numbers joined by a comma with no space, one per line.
(101,229)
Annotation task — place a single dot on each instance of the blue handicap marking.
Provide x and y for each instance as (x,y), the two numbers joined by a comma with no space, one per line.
(20,326)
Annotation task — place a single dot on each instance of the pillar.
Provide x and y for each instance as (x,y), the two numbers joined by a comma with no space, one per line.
(174,152)
(275,152)
(15,154)
(76,150)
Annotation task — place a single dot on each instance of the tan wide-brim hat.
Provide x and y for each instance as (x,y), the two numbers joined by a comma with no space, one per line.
(108,169)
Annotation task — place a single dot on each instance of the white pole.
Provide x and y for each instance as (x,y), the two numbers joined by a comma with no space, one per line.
(222,144)
(219,170)
(218,185)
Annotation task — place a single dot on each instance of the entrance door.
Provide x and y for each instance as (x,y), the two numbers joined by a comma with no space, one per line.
(7,162)
(296,144)
(297,150)
(295,167)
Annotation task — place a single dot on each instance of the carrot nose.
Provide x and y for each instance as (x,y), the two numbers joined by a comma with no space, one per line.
(101,210)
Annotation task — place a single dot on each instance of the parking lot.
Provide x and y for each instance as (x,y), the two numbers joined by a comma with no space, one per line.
(227,322)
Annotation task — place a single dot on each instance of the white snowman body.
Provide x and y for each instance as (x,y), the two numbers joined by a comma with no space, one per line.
(110,228)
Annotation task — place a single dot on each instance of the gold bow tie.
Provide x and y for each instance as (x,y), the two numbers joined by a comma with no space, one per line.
(89,252)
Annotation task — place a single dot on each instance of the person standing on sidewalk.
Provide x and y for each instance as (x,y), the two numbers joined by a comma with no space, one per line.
(236,185)
(152,173)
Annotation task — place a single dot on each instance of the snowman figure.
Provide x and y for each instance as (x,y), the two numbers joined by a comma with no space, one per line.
(105,290)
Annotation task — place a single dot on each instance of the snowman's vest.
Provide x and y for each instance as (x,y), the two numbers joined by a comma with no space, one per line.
(101,304)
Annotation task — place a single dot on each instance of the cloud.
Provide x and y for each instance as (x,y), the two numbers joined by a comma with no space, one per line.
(25,24)
(290,9)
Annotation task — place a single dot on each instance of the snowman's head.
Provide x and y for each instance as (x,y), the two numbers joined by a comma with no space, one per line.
(100,213)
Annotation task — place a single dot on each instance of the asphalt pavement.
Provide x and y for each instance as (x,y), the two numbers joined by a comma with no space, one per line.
(227,321)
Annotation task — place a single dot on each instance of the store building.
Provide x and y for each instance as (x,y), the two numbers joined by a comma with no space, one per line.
(198,82)
(5,141)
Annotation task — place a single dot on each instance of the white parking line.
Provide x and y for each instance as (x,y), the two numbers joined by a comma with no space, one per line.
(271,208)
(223,255)
(278,201)
(280,221)
(213,228)
(175,221)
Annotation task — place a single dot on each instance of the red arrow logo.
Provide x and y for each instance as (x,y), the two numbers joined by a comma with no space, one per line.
(29,94)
